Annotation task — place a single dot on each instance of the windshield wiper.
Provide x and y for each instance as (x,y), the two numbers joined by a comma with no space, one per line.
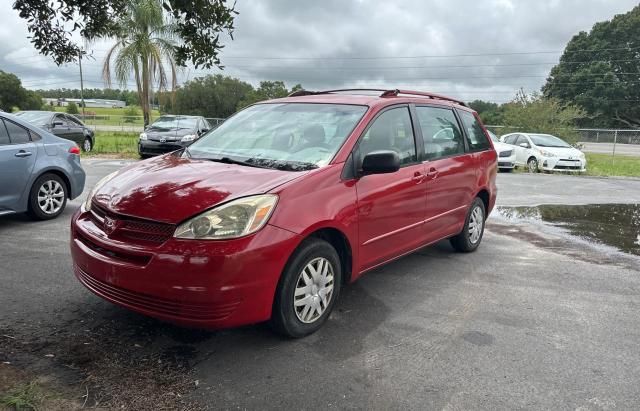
(229,160)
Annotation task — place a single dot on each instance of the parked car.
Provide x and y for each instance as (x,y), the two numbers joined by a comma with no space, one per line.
(506,153)
(39,172)
(62,125)
(269,215)
(169,133)
(545,152)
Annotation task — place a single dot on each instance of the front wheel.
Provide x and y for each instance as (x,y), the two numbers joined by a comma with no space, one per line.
(532,165)
(308,289)
(48,197)
(469,238)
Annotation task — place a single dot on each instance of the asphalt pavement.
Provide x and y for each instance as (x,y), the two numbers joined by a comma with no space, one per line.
(520,324)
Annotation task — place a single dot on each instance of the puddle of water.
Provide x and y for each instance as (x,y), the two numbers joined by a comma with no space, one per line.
(615,225)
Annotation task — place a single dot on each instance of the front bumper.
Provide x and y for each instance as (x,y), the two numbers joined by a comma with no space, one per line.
(152,148)
(563,165)
(507,163)
(205,284)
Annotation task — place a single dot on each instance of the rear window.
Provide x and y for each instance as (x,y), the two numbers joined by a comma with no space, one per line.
(17,134)
(441,133)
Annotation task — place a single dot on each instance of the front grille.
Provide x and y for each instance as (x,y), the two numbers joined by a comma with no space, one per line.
(505,153)
(576,167)
(136,229)
(504,164)
(156,305)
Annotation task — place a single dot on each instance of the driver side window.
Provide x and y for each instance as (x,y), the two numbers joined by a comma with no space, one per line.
(392,130)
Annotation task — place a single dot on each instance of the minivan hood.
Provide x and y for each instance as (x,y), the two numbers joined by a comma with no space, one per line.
(172,189)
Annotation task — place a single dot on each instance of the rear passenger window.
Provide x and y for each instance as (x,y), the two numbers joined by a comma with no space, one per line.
(392,130)
(475,134)
(441,133)
(4,136)
(17,134)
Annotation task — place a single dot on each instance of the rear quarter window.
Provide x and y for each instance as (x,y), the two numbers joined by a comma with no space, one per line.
(476,137)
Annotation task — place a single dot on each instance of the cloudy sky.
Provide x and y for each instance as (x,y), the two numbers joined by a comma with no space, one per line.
(482,49)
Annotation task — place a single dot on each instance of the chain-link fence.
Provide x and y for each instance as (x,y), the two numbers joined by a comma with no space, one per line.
(590,140)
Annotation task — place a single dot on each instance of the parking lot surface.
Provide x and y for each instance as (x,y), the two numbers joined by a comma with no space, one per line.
(521,323)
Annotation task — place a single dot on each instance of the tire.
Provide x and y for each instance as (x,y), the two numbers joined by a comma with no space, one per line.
(532,165)
(46,192)
(465,242)
(87,145)
(299,320)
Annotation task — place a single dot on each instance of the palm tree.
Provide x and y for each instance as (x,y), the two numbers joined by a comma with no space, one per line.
(144,45)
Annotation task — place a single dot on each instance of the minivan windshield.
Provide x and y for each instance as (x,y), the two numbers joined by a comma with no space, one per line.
(288,136)
(174,122)
(547,140)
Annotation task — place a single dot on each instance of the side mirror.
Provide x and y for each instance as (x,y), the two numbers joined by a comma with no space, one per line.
(525,145)
(380,162)
(204,130)
(57,124)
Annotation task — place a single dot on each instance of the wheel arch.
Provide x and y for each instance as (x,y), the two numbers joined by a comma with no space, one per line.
(484,195)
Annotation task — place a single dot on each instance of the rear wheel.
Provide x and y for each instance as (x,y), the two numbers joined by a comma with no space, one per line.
(87,145)
(48,197)
(308,289)
(471,235)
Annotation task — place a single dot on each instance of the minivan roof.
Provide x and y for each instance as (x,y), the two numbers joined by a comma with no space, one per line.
(369,97)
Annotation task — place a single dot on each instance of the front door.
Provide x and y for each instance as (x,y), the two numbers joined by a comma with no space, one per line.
(450,171)
(391,207)
(17,157)
(522,153)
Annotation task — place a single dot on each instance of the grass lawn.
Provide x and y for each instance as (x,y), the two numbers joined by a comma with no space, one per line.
(118,143)
(606,165)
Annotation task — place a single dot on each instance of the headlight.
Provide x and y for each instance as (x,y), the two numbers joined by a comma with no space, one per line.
(188,137)
(234,219)
(547,153)
(143,136)
(86,206)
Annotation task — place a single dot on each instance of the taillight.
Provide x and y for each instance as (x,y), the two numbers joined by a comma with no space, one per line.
(74,150)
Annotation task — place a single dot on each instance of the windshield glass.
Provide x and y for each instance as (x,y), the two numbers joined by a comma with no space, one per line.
(174,122)
(38,118)
(546,140)
(281,135)
(494,138)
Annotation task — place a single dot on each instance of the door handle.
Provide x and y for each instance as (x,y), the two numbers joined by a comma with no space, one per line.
(418,177)
(23,153)
(433,173)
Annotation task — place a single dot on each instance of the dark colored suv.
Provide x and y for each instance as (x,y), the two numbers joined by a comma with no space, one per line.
(269,215)
(62,125)
(169,133)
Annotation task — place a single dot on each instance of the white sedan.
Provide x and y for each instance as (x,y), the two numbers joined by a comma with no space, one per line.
(545,152)
(506,153)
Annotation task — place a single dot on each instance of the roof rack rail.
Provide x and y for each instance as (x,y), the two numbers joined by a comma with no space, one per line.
(396,92)
(384,93)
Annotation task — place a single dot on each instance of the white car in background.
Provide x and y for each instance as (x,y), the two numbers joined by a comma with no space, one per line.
(545,152)
(506,153)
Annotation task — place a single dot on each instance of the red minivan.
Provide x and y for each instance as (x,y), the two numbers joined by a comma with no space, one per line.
(270,214)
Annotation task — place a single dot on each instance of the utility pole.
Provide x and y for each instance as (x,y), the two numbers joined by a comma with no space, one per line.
(81,87)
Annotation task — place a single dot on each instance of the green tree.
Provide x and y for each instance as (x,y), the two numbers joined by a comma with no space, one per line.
(490,113)
(11,91)
(144,44)
(72,108)
(209,96)
(130,113)
(54,26)
(536,114)
(599,72)
(267,90)
(32,101)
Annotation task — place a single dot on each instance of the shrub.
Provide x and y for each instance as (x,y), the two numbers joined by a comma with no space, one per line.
(130,114)
(72,108)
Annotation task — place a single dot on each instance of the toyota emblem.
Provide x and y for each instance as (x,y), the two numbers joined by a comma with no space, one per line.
(163,139)
(109,225)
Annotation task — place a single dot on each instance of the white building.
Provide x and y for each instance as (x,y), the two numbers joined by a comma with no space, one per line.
(89,102)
